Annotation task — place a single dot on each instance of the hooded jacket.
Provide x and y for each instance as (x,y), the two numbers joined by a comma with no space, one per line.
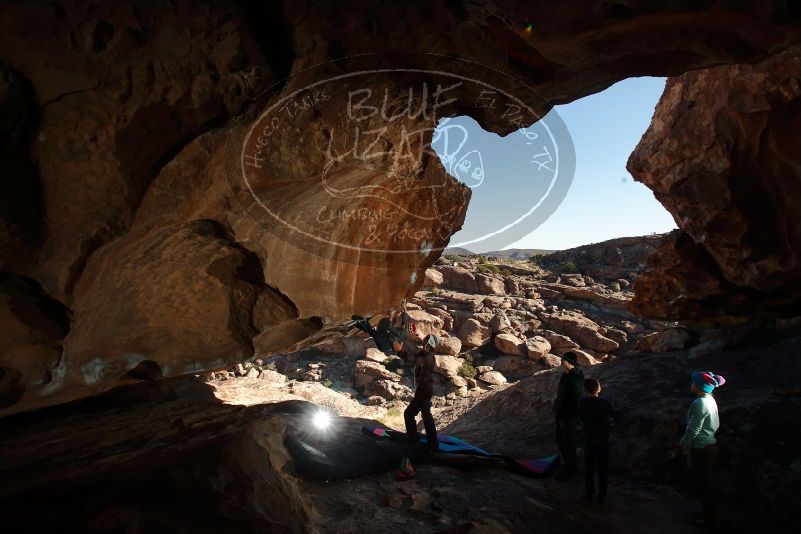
(571,384)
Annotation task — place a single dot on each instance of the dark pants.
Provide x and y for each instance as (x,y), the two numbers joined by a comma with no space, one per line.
(421,403)
(702,474)
(596,458)
(566,439)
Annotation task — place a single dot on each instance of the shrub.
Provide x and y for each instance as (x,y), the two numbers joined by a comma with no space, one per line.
(569,267)
(466,370)
(482,260)
(435,291)
(486,269)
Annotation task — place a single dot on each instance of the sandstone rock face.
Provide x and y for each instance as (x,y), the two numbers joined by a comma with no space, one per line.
(129,134)
(473,334)
(735,201)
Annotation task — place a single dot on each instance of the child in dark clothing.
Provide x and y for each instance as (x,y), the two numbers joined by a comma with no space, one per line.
(596,416)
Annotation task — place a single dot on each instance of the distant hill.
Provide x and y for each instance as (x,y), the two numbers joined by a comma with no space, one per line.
(509,254)
(517,253)
(458,251)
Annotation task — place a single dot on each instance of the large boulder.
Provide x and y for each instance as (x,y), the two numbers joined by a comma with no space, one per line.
(458,278)
(433,278)
(473,334)
(665,341)
(551,361)
(388,389)
(559,343)
(581,329)
(455,300)
(585,359)
(619,336)
(447,318)
(512,285)
(367,371)
(596,294)
(514,366)
(509,344)
(449,345)
(272,376)
(375,355)
(494,378)
(490,285)
(425,322)
(447,366)
(499,323)
(537,347)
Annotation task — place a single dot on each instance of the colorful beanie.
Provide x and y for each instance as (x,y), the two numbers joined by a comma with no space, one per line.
(707,380)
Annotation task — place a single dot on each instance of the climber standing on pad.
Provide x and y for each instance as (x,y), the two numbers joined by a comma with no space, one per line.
(424,389)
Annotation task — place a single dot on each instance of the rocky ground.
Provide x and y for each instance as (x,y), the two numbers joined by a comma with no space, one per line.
(498,321)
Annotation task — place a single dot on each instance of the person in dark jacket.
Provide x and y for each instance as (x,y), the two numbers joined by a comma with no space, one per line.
(424,389)
(566,409)
(388,339)
(596,416)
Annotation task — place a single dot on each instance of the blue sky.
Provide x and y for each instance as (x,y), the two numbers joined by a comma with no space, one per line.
(602,202)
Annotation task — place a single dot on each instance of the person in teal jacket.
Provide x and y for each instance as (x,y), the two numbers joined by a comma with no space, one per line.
(700,444)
